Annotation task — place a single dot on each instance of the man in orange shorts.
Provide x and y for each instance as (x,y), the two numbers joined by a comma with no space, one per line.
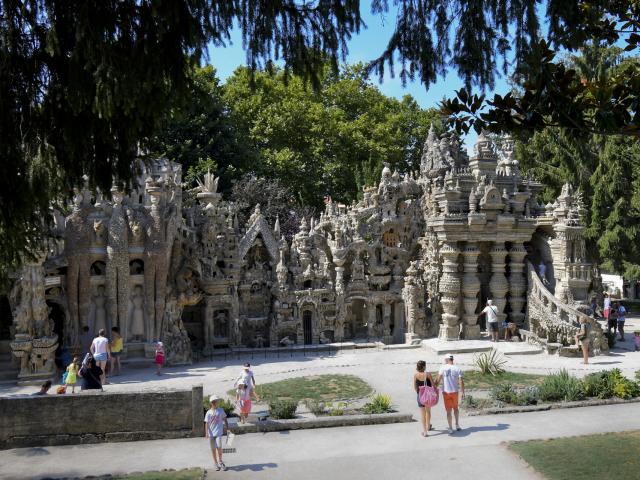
(451,376)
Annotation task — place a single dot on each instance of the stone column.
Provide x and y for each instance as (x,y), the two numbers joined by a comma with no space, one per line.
(470,289)
(517,282)
(371,322)
(450,293)
(498,284)
(386,325)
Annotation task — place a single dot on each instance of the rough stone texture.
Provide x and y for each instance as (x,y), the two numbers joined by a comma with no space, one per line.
(418,256)
(92,417)
(322,422)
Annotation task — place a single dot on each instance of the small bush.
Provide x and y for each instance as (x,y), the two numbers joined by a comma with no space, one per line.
(490,363)
(379,403)
(598,385)
(316,407)
(227,405)
(560,386)
(504,392)
(471,402)
(336,410)
(528,396)
(282,409)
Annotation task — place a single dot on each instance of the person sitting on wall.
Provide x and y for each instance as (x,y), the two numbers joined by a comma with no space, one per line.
(511,331)
(44,389)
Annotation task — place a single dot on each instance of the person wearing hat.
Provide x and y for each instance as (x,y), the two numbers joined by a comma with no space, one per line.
(247,377)
(215,423)
(243,399)
(451,377)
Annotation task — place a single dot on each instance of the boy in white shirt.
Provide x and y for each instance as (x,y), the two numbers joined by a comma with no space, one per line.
(451,375)
(215,423)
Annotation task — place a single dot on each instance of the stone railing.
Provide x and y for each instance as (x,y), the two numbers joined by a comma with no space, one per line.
(554,323)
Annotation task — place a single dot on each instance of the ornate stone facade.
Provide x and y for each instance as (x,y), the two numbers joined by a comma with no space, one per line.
(418,256)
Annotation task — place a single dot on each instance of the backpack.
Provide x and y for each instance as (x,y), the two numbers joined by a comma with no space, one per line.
(428,396)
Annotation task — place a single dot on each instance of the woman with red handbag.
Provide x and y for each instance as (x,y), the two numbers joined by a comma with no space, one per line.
(421,380)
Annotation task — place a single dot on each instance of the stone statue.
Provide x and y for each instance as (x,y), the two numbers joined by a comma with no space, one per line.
(99,311)
(136,319)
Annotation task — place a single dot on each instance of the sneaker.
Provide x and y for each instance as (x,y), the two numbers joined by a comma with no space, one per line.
(223,466)
(450,431)
(217,467)
(458,428)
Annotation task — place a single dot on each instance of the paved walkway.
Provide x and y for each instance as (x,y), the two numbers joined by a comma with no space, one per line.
(381,451)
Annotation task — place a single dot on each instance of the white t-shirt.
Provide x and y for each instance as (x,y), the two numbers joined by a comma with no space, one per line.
(492,313)
(99,345)
(607,302)
(215,422)
(450,375)
(247,377)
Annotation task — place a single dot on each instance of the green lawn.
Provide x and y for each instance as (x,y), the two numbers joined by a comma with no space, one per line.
(322,388)
(610,455)
(185,474)
(474,380)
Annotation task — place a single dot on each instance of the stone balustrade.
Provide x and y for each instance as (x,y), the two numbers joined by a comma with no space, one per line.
(552,321)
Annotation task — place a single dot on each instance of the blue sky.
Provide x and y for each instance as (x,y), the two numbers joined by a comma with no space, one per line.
(364,47)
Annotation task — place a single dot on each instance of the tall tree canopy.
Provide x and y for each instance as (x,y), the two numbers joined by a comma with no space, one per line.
(604,168)
(84,84)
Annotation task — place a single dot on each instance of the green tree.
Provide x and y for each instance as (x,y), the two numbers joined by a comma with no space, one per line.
(604,168)
(326,142)
(199,134)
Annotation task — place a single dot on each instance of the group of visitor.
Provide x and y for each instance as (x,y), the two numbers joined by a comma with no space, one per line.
(615,316)
(427,393)
(215,420)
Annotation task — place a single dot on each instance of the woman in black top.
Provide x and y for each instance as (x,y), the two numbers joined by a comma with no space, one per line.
(90,373)
(420,377)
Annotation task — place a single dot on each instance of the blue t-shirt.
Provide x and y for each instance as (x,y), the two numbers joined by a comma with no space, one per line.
(215,421)
(621,312)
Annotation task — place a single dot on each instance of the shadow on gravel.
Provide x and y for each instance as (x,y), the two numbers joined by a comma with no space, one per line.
(256,467)
(31,452)
(465,432)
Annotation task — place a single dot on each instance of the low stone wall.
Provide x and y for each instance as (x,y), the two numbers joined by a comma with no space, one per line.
(94,417)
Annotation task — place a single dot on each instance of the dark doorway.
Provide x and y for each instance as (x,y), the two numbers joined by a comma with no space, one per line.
(307,327)
(6,318)
(56,314)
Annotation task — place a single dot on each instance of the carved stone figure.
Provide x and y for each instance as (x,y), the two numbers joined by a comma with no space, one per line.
(136,319)
(99,311)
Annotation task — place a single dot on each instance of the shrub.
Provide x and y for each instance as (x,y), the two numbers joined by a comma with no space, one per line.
(337,410)
(598,385)
(622,386)
(227,405)
(379,403)
(316,407)
(490,363)
(528,396)
(560,386)
(504,392)
(472,402)
(282,409)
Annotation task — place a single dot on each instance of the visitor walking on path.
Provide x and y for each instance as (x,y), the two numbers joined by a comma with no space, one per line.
(243,399)
(491,314)
(247,377)
(101,352)
(90,374)
(215,423)
(452,382)
(636,340)
(117,345)
(612,323)
(582,339)
(72,374)
(622,311)
(159,358)
(423,378)
(606,310)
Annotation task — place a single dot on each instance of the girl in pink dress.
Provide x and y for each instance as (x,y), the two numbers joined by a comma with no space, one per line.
(159,358)
(243,399)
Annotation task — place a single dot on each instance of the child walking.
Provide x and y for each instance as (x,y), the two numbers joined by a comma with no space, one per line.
(159,357)
(72,375)
(215,423)
(243,399)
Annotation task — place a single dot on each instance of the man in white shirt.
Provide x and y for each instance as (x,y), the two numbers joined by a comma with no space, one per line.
(452,381)
(491,313)
(246,377)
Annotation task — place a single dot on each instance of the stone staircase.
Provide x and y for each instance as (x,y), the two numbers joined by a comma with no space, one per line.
(554,324)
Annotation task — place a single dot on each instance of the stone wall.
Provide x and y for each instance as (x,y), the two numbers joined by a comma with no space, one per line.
(94,417)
